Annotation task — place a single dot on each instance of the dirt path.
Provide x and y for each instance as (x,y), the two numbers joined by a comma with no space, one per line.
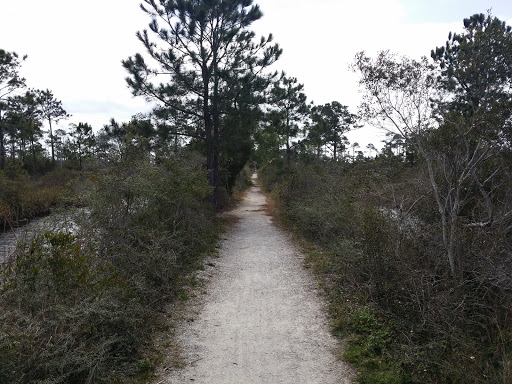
(262,321)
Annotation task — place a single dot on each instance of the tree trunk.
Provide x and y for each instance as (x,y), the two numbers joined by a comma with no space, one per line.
(211,129)
(212,167)
(51,141)
(288,153)
(2,147)
(33,149)
(212,155)
(215,175)
(448,224)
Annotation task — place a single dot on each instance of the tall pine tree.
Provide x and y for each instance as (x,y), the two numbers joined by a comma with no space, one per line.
(205,58)
(10,80)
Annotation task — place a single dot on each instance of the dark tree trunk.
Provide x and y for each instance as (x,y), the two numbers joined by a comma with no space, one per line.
(51,142)
(214,176)
(33,150)
(2,147)
(212,156)
(288,154)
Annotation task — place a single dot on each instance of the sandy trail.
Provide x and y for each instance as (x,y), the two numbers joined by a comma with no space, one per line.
(262,320)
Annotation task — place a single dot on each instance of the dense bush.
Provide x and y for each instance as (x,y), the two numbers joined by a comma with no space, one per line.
(23,197)
(66,316)
(80,307)
(373,236)
(151,219)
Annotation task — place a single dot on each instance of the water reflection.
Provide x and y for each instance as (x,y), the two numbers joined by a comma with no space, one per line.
(58,221)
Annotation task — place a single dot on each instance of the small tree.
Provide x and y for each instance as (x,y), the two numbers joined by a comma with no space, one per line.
(371,149)
(288,108)
(331,122)
(354,146)
(60,137)
(27,130)
(82,141)
(51,110)
(400,96)
(10,80)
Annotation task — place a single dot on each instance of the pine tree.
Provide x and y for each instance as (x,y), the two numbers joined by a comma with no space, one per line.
(288,108)
(205,60)
(330,122)
(51,110)
(10,80)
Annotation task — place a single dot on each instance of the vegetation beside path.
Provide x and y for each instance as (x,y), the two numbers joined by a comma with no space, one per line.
(404,317)
(81,307)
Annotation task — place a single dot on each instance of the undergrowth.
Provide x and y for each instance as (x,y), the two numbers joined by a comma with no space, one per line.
(404,317)
(23,197)
(81,305)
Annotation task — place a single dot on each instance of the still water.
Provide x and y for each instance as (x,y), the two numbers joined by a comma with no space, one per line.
(62,221)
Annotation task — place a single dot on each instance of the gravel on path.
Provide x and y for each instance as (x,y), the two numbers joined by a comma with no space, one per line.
(262,319)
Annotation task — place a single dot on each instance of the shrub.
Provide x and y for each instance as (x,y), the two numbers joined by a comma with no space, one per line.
(81,307)
(66,317)
(23,198)
(373,234)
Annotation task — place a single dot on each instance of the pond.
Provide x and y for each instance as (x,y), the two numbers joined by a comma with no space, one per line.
(62,220)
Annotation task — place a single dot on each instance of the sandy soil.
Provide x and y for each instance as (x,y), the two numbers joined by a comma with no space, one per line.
(262,319)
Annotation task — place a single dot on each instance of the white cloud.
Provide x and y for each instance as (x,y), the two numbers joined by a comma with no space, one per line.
(75,48)
(320,41)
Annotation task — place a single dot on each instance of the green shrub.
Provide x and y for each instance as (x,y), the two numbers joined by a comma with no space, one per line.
(81,307)
(373,237)
(23,198)
(65,317)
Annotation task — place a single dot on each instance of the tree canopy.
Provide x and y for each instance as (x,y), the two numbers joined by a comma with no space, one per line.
(204,59)
(476,67)
(287,110)
(331,122)
(51,109)
(10,80)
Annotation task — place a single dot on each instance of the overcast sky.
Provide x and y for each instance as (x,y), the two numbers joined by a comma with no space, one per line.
(75,47)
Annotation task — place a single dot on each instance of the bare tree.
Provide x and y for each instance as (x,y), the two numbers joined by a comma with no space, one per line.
(400,96)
